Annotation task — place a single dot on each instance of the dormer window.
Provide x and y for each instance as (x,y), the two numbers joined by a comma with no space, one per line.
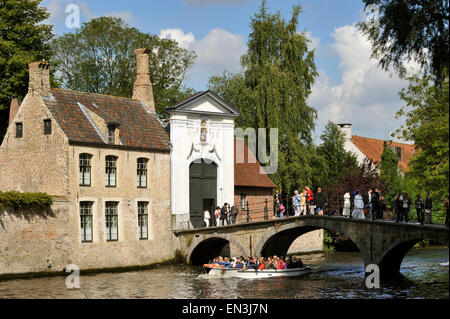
(47,127)
(19,130)
(111,133)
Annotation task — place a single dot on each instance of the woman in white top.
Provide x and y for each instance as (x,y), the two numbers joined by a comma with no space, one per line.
(358,212)
(206,217)
(346,211)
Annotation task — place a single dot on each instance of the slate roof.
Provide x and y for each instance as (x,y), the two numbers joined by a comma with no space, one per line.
(247,173)
(373,148)
(138,128)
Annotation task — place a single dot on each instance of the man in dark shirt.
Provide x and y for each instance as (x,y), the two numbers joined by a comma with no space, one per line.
(320,201)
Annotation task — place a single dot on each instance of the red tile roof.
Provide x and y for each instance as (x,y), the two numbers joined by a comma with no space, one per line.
(138,128)
(373,148)
(247,173)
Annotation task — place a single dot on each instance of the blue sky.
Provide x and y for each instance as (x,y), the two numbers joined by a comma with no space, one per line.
(350,86)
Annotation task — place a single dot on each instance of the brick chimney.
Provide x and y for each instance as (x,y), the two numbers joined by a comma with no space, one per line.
(39,78)
(142,89)
(13,108)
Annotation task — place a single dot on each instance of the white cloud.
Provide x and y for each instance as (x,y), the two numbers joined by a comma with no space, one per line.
(217,52)
(314,41)
(367,96)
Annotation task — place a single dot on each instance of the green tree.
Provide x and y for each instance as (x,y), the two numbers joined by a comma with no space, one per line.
(272,93)
(23,39)
(410,29)
(427,125)
(390,174)
(338,160)
(99,58)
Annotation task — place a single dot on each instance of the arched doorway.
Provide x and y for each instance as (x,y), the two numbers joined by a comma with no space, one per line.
(202,191)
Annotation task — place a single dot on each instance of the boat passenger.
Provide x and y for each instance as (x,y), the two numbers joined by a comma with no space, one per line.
(269,264)
(226,262)
(279,262)
(261,264)
(283,263)
(251,264)
(296,263)
(233,263)
(239,263)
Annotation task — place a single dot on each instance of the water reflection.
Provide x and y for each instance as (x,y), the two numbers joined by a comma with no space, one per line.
(341,275)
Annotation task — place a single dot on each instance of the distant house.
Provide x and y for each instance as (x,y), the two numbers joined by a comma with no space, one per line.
(371,148)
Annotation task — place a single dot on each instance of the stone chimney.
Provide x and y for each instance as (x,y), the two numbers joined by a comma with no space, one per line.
(13,108)
(346,128)
(39,78)
(142,89)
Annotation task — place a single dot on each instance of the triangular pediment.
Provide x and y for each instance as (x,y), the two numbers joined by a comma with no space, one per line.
(206,102)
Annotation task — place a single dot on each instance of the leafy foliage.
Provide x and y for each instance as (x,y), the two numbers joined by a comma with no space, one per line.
(360,177)
(272,93)
(427,124)
(23,39)
(410,29)
(17,200)
(338,160)
(99,58)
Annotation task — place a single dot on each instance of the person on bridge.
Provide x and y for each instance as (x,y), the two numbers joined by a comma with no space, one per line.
(346,210)
(368,203)
(303,203)
(234,212)
(320,201)
(206,217)
(358,211)
(282,210)
(419,209)
(406,204)
(428,209)
(296,203)
(276,205)
(376,205)
(217,215)
(224,214)
(309,200)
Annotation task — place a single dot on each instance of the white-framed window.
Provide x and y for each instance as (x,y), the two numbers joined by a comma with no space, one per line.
(111,171)
(142,172)
(85,169)
(86,221)
(143,220)
(112,221)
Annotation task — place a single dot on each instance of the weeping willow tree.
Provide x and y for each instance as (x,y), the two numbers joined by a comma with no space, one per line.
(272,92)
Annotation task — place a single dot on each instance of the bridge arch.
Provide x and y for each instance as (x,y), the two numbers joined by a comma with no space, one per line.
(278,241)
(392,257)
(212,246)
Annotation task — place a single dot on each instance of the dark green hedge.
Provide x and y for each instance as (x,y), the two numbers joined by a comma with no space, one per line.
(17,200)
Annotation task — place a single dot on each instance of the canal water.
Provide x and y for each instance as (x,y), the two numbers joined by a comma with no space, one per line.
(338,275)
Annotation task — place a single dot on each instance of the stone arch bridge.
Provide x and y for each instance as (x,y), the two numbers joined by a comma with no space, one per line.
(383,243)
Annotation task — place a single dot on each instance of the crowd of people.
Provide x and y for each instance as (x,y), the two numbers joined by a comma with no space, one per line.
(368,205)
(304,203)
(225,215)
(260,263)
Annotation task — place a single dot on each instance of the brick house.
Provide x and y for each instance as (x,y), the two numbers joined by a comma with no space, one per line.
(105,159)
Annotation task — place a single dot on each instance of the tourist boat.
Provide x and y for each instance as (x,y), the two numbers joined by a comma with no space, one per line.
(215,271)
(444,264)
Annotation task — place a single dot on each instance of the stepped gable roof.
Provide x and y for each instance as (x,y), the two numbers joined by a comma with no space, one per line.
(373,148)
(138,128)
(247,173)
